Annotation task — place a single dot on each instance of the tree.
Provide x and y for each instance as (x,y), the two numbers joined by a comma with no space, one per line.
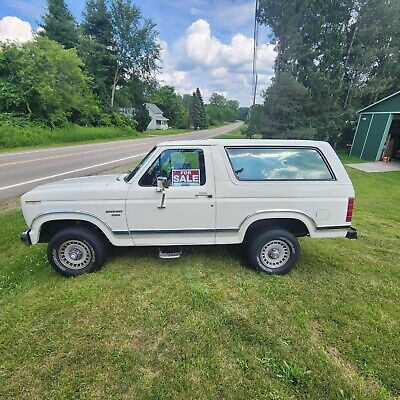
(136,47)
(256,122)
(217,100)
(344,52)
(97,48)
(243,113)
(221,110)
(172,105)
(45,82)
(97,22)
(197,113)
(133,95)
(59,24)
(202,110)
(286,103)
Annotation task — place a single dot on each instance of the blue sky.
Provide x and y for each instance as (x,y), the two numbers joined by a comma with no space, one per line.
(206,43)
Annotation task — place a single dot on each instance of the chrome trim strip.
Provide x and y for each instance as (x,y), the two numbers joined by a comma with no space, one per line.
(160,231)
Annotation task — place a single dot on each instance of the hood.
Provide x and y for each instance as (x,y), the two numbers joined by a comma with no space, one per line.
(83,188)
(85,181)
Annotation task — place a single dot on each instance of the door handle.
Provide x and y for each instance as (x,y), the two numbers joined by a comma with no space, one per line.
(203,194)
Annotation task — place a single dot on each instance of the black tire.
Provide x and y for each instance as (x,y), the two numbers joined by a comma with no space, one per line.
(278,243)
(76,242)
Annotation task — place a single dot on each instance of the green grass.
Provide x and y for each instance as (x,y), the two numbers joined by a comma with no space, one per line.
(206,326)
(12,138)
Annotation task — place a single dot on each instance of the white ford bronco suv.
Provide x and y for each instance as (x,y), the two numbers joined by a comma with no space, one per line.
(261,193)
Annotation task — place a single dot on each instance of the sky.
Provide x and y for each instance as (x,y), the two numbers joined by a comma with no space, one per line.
(205,43)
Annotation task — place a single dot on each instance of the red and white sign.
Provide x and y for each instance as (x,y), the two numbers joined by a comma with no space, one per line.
(185,177)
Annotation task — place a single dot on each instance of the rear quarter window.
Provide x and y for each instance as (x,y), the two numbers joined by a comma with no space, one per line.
(267,163)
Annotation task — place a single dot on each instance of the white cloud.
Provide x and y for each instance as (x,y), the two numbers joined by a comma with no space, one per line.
(205,49)
(201,59)
(169,75)
(219,73)
(14,29)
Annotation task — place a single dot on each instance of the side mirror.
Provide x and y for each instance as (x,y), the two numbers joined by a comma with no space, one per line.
(162,183)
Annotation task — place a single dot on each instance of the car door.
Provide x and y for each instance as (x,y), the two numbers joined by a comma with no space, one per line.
(188,215)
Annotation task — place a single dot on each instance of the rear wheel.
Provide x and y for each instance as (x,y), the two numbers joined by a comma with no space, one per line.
(76,251)
(274,252)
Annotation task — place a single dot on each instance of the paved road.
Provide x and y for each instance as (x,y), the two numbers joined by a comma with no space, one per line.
(21,171)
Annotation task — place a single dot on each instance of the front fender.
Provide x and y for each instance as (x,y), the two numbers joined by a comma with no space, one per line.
(41,219)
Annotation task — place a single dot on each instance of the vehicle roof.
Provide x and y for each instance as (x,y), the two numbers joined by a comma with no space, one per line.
(244,142)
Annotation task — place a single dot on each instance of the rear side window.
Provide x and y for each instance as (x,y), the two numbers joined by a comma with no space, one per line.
(272,163)
(182,167)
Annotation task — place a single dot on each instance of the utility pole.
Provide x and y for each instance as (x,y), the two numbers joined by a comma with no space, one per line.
(254,72)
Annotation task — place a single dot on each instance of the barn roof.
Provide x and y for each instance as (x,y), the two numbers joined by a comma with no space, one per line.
(390,104)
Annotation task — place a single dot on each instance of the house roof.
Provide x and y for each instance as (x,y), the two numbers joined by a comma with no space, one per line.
(379,101)
(153,108)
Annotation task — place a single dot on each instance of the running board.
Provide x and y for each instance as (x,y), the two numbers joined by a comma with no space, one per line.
(170,252)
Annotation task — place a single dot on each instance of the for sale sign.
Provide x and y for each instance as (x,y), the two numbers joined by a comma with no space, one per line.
(185,177)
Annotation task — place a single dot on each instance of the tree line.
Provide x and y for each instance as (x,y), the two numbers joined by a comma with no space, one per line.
(333,58)
(85,73)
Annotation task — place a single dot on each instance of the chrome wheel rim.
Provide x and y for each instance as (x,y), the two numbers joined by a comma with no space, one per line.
(275,254)
(75,254)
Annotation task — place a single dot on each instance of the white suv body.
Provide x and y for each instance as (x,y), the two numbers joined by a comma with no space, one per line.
(202,193)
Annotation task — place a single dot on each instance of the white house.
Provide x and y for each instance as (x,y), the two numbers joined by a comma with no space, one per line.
(158,121)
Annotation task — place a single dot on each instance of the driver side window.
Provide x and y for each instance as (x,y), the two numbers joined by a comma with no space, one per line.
(182,167)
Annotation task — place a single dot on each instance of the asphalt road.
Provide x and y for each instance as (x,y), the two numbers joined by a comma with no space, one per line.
(22,171)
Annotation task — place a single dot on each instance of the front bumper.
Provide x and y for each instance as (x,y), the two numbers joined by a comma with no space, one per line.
(25,238)
(351,233)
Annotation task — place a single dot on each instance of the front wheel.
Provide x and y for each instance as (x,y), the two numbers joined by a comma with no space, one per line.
(76,251)
(274,252)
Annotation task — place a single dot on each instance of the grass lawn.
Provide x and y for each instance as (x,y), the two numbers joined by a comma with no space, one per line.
(206,326)
(31,138)
(236,134)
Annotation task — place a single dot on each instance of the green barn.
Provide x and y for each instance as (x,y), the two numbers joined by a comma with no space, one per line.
(378,130)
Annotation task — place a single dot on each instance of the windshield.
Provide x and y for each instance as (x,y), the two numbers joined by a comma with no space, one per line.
(132,173)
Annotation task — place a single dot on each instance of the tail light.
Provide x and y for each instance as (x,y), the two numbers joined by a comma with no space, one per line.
(350,206)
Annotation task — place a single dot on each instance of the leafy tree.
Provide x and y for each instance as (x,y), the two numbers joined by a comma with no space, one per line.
(172,105)
(286,103)
(136,47)
(243,113)
(233,105)
(344,52)
(256,122)
(59,24)
(45,82)
(97,48)
(217,99)
(221,110)
(133,95)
